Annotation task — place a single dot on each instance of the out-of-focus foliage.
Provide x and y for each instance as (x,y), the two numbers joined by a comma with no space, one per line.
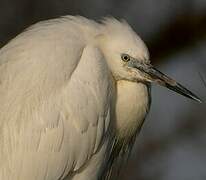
(172,143)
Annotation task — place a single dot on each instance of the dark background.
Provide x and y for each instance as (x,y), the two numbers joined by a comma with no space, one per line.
(172,143)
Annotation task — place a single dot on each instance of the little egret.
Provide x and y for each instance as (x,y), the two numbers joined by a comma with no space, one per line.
(74,94)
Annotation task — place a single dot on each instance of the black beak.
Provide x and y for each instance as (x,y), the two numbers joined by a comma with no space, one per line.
(168,82)
(154,75)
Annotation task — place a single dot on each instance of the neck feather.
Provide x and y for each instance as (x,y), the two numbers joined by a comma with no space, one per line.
(133,100)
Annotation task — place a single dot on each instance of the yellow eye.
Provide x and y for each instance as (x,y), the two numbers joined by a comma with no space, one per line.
(125,57)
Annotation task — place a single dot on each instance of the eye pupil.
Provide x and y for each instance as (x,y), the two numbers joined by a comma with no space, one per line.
(125,57)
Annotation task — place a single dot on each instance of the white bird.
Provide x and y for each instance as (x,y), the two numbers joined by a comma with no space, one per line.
(74,94)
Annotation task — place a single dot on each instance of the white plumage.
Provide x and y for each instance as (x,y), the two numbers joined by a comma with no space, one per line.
(68,101)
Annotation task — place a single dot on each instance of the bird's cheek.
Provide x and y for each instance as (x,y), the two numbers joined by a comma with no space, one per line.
(135,75)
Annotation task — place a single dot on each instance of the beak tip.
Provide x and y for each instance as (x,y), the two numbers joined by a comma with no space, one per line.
(196,98)
(199,100)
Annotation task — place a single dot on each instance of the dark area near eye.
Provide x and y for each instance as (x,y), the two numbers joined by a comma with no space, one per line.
(125,57)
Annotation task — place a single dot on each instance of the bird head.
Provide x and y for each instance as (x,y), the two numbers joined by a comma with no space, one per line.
(128,57)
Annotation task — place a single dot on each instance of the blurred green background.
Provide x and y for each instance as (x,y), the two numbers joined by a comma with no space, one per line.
(172,143)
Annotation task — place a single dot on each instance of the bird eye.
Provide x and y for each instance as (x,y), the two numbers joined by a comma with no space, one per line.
(125,57)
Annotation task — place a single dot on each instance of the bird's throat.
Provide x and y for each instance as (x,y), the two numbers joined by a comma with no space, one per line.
(132,105)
